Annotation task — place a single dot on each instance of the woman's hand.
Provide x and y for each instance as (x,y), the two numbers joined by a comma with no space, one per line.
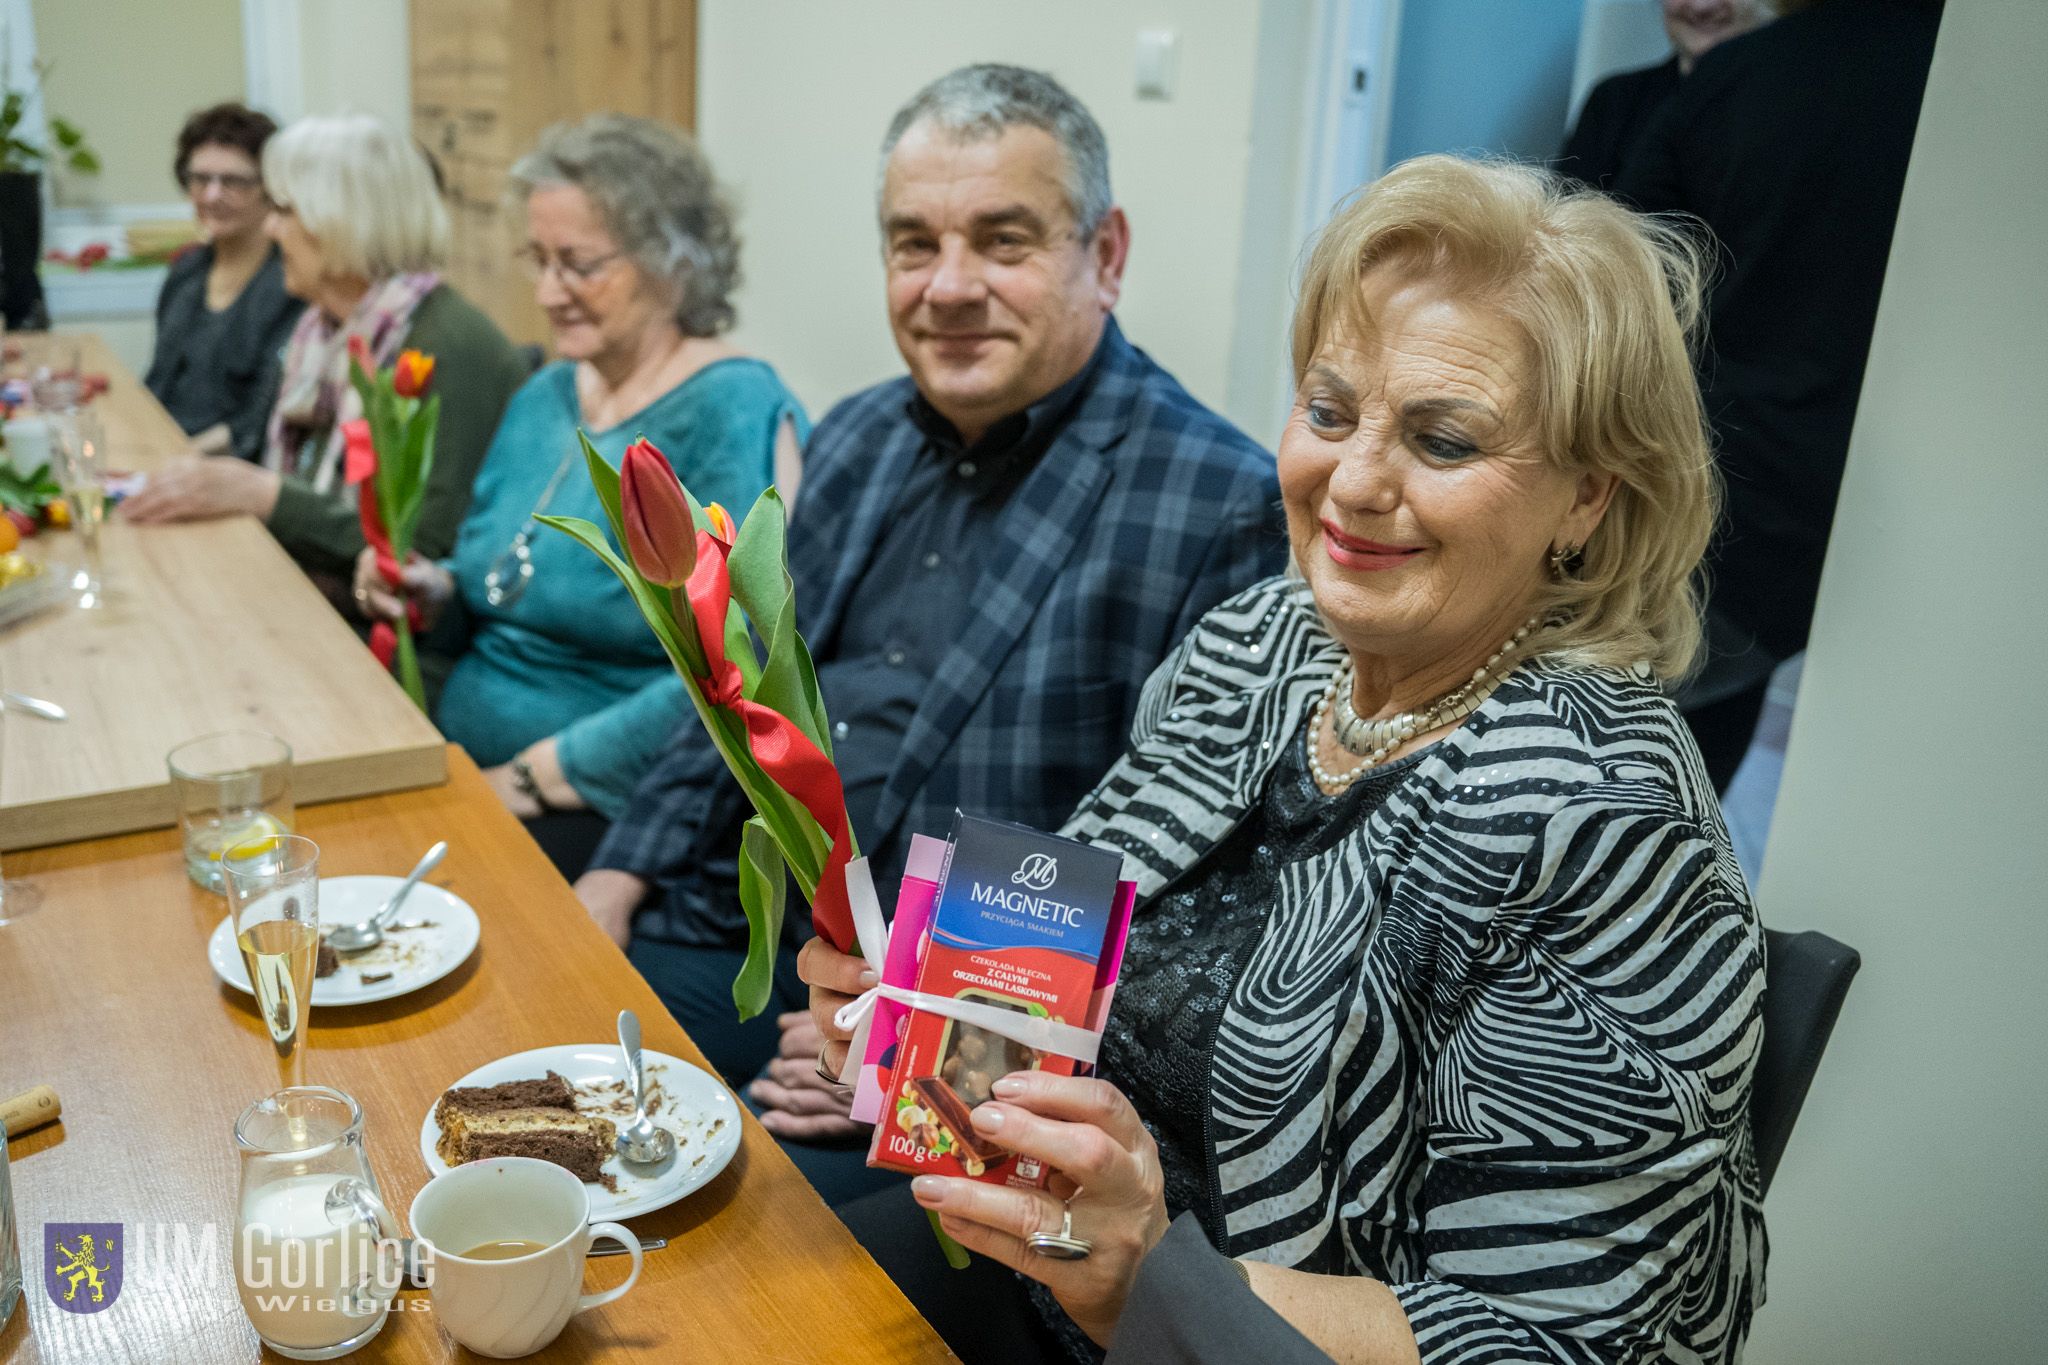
(796,1102)
(835,979)
(1100,1154)
(200,489)
(421,581)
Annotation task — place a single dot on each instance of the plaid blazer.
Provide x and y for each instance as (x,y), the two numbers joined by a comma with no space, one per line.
(1146,510)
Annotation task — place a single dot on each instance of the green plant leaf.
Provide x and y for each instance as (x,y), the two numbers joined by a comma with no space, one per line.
(605,480)
(764,893)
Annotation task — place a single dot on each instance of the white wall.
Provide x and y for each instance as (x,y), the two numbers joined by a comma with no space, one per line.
(792,106)
(1910,1219)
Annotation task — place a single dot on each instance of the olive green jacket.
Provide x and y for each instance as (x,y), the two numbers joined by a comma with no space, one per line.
(476,371)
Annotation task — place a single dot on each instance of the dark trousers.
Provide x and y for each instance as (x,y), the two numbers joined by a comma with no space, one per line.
(569,838)
(1723,729)
(696,985)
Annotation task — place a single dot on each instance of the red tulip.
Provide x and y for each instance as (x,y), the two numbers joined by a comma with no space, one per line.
(415,371)
(660,538)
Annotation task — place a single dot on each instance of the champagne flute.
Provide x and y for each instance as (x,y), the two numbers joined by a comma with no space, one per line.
(273,886)
(81,469)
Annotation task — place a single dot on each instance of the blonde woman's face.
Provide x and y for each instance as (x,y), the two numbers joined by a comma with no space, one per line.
(1421,508)
(304,265)
(596,299)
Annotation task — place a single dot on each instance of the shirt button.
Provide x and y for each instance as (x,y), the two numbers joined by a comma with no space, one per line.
(967,469)
(931,560)
(895,658)
(839,730)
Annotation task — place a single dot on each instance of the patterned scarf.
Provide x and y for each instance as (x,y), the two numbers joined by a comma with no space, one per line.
(315,396)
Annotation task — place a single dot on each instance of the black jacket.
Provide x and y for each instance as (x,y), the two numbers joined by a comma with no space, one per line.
(246,358)
(1791,143)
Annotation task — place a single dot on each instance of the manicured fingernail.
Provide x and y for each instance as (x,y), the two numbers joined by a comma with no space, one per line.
(988,1118)
(868,978)
(1009,1087)
(928,1190)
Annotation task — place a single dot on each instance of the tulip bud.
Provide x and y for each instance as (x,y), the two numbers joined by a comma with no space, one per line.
(660,538)
(414,372)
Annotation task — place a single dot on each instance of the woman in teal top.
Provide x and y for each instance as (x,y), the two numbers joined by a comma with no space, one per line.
(544,670)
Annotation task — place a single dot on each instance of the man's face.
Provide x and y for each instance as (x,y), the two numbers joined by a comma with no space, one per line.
(1696,27)
(994,297)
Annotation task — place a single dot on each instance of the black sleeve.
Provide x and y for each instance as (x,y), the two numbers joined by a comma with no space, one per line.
(1189,1306)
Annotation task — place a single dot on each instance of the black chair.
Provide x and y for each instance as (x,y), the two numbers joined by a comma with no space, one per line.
(1806,978)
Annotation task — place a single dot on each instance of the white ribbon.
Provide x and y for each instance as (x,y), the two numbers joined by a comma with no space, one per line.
(1046,1035)
(1035,1031)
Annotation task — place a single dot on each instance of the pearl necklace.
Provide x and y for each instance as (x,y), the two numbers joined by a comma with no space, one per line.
(1374,740)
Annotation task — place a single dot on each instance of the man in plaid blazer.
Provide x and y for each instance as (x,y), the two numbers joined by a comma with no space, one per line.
(991,554)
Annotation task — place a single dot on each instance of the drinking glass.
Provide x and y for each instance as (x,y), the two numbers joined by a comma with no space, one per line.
(10,1254)
(317,1255)
(231,787)
(273,884)
(81,472)
(56,384)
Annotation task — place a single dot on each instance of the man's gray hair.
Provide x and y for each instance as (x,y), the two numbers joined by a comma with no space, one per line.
(655,192)
(981,101)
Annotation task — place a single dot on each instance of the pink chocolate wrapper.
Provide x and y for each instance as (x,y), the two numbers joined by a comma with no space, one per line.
(914,901)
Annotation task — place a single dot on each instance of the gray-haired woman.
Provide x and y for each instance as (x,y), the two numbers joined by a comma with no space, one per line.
(556,686)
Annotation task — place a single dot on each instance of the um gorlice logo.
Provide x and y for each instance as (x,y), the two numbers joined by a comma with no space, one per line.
(82,1265)
(1036,872)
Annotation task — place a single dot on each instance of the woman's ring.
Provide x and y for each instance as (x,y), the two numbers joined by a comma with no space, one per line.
(825,1072)
(1062,1245)
(363,596)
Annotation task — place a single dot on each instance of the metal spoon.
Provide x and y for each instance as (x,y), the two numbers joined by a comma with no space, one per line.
(35,706)
(641,1140)
(358,938)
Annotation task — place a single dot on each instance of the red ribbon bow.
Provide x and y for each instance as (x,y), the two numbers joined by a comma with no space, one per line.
(782,749)
(359,467)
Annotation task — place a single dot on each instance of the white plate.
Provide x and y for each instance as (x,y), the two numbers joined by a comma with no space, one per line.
(414,957)
(702,1114)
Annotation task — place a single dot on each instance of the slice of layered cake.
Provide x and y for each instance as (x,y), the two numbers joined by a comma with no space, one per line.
(523,1118)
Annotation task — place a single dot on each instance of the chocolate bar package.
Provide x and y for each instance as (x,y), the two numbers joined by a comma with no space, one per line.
(1020,924)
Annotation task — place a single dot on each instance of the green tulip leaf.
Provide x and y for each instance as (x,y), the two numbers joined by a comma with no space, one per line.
(764,892)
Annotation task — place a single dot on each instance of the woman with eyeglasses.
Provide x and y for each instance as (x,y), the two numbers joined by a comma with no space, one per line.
(557,687)
(223,315)
(362,236)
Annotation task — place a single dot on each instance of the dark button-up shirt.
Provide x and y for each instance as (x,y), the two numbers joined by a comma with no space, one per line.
(911,601)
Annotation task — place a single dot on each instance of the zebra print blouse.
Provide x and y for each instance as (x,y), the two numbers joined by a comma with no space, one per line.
(1494,1048)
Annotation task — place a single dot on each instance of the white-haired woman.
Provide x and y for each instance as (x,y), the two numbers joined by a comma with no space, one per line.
(557,686)
(360,224)
(1440,1010)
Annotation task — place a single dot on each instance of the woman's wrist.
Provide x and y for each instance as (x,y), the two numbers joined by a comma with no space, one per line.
(537,772)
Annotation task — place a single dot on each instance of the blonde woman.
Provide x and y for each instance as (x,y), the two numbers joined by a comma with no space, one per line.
(1440,1009)
(360,225)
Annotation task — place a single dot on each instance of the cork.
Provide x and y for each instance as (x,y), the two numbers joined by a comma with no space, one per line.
(30,1109)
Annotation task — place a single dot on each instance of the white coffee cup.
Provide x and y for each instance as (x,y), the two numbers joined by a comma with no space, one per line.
(508,1308)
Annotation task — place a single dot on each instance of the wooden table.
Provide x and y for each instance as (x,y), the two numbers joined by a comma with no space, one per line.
(207,626)
(105,993)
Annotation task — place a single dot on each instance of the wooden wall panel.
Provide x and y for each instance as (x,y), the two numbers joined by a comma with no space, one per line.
(489,75)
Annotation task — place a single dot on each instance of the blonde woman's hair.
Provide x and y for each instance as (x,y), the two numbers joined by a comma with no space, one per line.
(1609,302)
(366,192)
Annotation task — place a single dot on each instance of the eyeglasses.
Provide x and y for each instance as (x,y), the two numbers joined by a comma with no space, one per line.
(569,271)
(197,181)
